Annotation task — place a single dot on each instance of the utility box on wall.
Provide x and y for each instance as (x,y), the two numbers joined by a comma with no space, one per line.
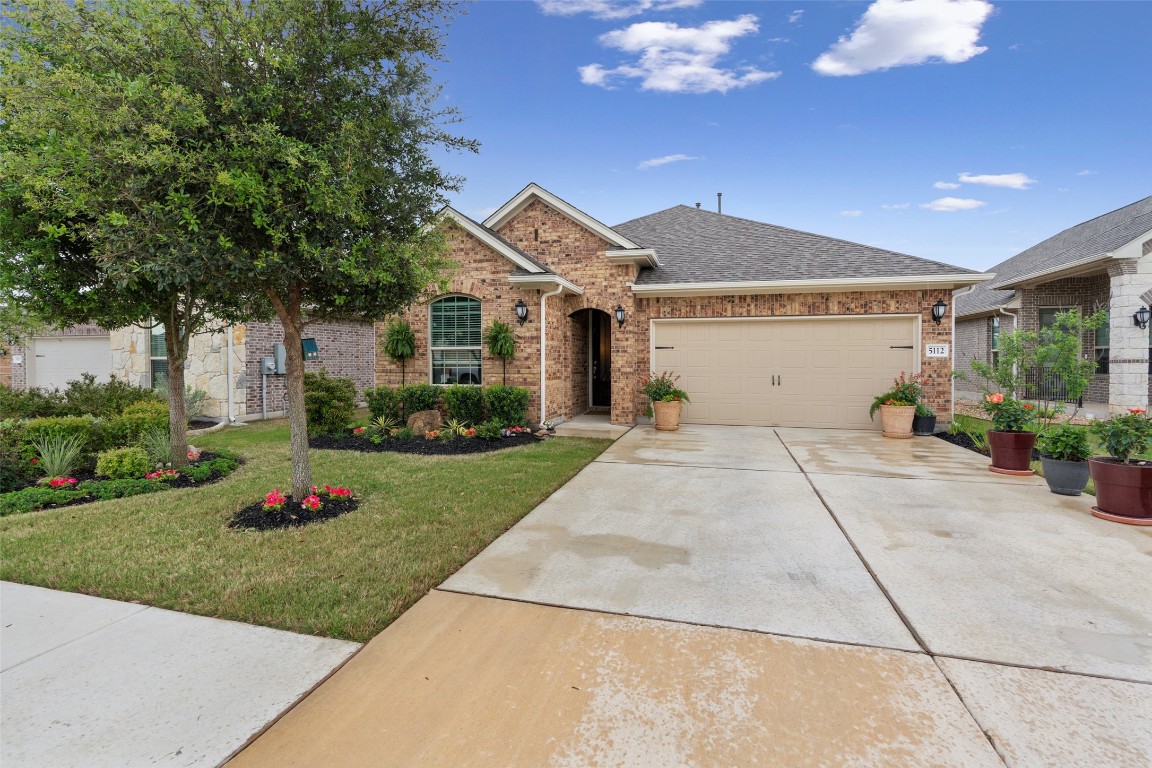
(311,349)
(279,355)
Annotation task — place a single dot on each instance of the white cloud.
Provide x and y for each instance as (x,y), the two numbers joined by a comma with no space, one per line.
(896,206)
(851,214)
(1087,172)
(896,33)
(677,59)
(951,204)
(611,9)
(656,162)
(1009,180)
(795,17)
(946,185)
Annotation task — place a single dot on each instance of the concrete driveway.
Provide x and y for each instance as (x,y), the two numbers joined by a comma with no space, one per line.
(745,596)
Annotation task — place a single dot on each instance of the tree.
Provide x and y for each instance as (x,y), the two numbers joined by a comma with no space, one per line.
(501,343)
(400,343)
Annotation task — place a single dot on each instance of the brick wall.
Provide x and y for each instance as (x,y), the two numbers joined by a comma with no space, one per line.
(6,364)
(346,349)
(1087,294)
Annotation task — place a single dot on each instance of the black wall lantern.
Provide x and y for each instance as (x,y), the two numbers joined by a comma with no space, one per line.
(939,309)
(521,311)
(619,316)
(1142,316)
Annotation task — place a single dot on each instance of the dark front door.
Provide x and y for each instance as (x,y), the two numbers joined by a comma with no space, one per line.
(601,353)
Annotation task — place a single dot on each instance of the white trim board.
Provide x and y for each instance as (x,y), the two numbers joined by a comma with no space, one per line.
(830,285)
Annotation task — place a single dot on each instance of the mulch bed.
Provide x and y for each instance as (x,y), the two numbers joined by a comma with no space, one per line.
(436,447)
(292,515)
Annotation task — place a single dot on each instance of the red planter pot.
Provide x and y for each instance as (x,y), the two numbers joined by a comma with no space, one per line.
(1011,452)
(1123,491)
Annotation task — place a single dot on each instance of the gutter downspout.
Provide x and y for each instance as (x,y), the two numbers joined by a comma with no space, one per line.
(543,360)
(231,384)
(956,295)
(1015,327)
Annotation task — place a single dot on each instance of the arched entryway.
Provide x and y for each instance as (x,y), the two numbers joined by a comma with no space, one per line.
(591,333)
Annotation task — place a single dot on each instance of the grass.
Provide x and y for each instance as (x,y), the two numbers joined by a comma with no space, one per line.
(420,519)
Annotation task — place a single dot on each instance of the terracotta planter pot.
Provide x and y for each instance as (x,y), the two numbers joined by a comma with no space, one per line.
(1123,491)
(667,415)
(1011,452)
(897,420)
(1066,478)
(924,426)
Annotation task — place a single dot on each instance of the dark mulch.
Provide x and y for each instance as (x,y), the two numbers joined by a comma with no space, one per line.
(292,515)
(199,424)
(436,447)
(86,475)
(964,441)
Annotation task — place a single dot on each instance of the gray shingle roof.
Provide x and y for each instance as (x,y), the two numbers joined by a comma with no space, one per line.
(1095,237)
(698,246)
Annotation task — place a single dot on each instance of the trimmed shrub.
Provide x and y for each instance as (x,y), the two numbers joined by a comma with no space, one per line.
(417,397)
(29,404)
(464,403)
(383,401)
(119,489)
(36,497)
(123,463)
(129,426)
(506,405)
(107,399)
(224,464)
(55,427)
(489,430)
(330,402)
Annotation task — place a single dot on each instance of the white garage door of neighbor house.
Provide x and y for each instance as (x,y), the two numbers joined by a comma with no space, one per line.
(57,360)
(805,372)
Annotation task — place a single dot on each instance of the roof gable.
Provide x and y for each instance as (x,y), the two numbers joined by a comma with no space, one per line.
(522,260)
(535,192)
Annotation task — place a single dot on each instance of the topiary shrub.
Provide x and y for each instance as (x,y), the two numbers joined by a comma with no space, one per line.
(330,402)
(383,401)
(416,398)
(464,403)
(123,463)
(506,405)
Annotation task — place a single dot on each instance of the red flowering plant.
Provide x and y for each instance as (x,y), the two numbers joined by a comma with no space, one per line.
(274,501)
(62,482)
(905,390)
(193,453)
(337,492)
(163,474)
(1125,435)
(661,388)
(358,431)
(1008,414)
(312,503)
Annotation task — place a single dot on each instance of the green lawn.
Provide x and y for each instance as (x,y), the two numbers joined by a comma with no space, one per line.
(419,520)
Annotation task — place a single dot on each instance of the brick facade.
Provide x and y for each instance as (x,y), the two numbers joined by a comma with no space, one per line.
(1086,294)
(6,365)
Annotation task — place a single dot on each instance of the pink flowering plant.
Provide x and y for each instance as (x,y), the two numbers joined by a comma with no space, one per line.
(337,492)
(274,501)
(1125,436)
(163,474)
(1008,414)
(62,482)
(312,503)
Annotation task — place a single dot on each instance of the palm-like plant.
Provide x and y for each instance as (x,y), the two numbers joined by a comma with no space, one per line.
(400,344)
(501,343)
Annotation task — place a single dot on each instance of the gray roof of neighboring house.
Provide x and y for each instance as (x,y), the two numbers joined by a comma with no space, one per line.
(698,246)
(1095,237)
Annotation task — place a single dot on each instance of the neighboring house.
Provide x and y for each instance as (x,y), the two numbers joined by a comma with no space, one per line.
(766,325)
(1104,263)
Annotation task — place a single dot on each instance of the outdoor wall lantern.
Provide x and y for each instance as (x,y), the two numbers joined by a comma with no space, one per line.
(521,311)
(939,309)
(1142,316)
(619,316)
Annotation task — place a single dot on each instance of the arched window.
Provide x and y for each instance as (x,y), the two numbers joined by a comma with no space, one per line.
(455,343)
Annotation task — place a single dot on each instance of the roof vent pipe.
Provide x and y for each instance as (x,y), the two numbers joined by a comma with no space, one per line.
(697,206)
(719,206)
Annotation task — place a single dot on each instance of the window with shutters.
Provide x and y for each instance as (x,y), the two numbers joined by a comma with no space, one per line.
(455,340)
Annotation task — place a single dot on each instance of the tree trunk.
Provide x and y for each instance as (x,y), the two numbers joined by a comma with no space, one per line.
(291,319)
(176,350)
(402,365)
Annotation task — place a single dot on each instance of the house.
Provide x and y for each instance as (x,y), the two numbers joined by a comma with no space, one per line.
(1104,263)
(766,325)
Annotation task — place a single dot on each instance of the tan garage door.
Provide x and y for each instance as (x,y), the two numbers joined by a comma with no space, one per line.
(57,360)
(804,372)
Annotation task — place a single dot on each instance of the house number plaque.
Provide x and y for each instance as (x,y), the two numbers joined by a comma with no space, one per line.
(936,350)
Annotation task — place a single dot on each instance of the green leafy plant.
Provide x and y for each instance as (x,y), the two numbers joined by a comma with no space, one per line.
(59,455)
(502,344)
(130,425)
(36,497)
(1065,442)
(385,424)
(455,427)
(416,398)
(104,398)
(195,401)
(330,402)
(1008,414)
(123,463)
(383,403)
(1125,435)
(662,387)
(924,411)
(506,405)
(404,434)
(490,430)
(157,445)
(978,437)
(88,429)
(29,403)
(399,343)
(905,390)
(465,403)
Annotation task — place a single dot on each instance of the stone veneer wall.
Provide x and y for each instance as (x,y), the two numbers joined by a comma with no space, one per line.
(346,349)
(1087,294)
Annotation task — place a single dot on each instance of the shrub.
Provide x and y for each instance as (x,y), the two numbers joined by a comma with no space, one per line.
(130,425)
(29,404)
(224,464)
(157,443)
(59,455)
(506,405)
(464,403)
(36,497)
(330,402)
(489,430)
(195,401)
(123,463)
(1065,442)
(119,489)
(1126,435)
(107,399)
(382,401)
(416,398)
(85,428)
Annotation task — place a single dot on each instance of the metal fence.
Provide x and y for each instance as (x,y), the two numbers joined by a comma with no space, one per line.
(1043,384)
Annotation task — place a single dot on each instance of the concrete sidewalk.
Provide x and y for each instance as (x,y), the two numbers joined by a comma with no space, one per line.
(89,682)
(740,596)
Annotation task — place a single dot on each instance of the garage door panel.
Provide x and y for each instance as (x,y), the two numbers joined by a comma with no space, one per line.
(785,372)
(57,360)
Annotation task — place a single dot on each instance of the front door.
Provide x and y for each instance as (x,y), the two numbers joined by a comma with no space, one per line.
(601,359)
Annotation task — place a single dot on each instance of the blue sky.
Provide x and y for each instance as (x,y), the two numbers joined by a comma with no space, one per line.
(957,130)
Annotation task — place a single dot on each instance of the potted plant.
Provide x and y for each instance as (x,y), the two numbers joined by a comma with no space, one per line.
(1123,484)
(1009,440)
(1064,453)
(666,399)
(897,406)
(924,424)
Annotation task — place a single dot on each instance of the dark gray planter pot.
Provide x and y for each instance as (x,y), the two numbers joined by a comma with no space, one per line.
(1066,478)
(924,425)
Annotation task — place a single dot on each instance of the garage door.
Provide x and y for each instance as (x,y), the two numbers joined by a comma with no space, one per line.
(57,360)
(805,372)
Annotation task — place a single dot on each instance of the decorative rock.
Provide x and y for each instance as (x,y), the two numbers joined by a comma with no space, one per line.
(425,421)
